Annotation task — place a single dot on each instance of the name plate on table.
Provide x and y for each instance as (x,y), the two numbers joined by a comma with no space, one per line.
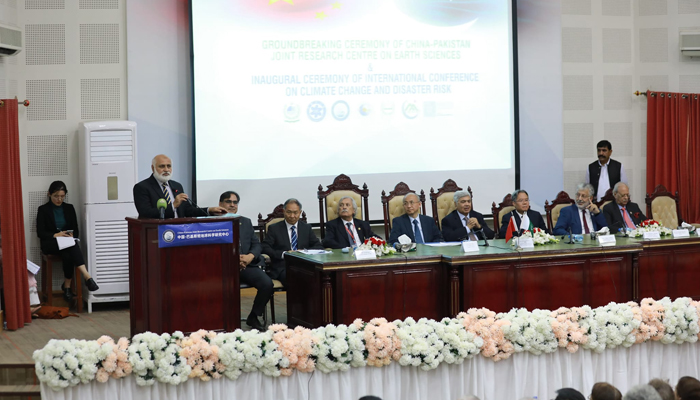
(526,243)
(652,235)
(606,240)
(365,254)
(470,246)
(195,234)
(681,233)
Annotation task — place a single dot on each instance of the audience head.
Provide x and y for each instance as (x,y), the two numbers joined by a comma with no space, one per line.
(605,391)
(569,394)
(162,168)
(411,205)
(521,200)
(687,386)
(370,398)
(463,202)
(347,208)
(584,195)
(292,211)
(57,192)
(641,392)
(229,201)
(604,151)
(621,192)
(663,388)
(469,397)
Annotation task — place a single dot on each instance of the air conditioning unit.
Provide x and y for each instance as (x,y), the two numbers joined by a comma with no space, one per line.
(690,43)
(10,40)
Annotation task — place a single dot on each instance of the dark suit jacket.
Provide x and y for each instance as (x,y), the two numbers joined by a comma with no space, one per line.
(149,191)
(613,215)
(535,218)
(250,242)
(277,242)
(402,226)
(570,217)
(453,230)
(337,236)
(46,225)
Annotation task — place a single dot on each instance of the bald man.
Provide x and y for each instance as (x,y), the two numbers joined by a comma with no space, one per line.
(420,228)
(160,186)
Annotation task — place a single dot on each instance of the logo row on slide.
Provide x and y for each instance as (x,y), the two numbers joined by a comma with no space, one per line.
(341,110)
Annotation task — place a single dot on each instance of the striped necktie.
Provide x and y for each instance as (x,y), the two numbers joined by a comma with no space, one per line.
(294,238)
(166,193)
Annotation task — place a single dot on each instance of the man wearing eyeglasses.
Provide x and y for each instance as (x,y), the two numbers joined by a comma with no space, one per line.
(420,228)
(251,263)
(525,219)
(583,216)
(622,213)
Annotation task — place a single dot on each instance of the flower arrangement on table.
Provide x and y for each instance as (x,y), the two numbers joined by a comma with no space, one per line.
(650,226)
(424,343)
(540,237)
(378,245)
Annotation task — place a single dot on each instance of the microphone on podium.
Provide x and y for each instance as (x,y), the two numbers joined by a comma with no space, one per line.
(162,205)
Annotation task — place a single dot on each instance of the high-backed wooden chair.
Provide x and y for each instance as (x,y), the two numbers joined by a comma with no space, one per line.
(498,211)
(442,201)
(392,204)
(328,200)
(663,207)
(554,209)
(605,199)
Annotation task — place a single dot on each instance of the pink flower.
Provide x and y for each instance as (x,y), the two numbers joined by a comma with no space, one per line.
(102,375)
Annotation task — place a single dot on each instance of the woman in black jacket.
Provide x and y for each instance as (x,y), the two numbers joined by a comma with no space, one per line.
(55,219)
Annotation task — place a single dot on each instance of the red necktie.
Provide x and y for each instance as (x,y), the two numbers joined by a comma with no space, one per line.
(628,220)
(585,223)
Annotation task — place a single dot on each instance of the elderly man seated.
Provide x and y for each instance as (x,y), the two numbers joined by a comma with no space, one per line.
(583,216)
(464,223)
(420,228)
(346,230)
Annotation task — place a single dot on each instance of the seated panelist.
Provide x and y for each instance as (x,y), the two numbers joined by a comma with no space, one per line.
(464,223)
(522,215)
(622,213)
(252,263)
(346,230)
(288,235)
(160,186)
(420,228)
(582,217)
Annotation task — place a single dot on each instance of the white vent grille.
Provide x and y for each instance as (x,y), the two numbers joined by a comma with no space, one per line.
(48,97)
(111,251)
(99,4)
(111,146)
(100,98)
(99,43)
(48,155)
(44,4)
(46,44)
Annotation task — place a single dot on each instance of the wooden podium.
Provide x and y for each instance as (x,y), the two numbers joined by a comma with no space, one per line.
(184,288)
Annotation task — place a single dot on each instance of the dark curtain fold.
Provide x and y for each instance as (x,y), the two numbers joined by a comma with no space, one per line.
(14,252)
(673,148)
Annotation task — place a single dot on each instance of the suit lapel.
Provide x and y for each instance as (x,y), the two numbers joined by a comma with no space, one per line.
(577,220)
(407,221)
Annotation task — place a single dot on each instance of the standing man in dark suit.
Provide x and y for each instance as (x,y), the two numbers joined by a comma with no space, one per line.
(420,228)
(464,223)
(160,186)
(346,230)
(606,172)
(582,217)
(252,263)
(288,235)
(522,215)
(622,213)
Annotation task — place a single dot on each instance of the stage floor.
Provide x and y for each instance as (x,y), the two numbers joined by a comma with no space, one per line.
(112,319)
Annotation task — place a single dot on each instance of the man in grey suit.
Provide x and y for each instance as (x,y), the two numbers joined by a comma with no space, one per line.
(251,264)
(288,235)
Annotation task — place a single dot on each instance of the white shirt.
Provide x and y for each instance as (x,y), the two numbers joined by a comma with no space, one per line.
(353,230)
(604,180)
(289,232)
(419,227)
(589,221)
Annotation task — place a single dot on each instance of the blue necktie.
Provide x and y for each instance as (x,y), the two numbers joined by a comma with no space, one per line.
(416,231)
(294,238)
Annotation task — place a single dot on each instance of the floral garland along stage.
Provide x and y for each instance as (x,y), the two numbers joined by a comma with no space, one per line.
(540,237)
(424,343)
(650,226)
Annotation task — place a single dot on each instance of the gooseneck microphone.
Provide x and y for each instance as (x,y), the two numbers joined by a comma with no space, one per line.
(571,237)
(162,205)
(621,228)
(486,242)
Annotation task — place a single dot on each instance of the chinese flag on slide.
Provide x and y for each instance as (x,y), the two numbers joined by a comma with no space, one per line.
(511,229)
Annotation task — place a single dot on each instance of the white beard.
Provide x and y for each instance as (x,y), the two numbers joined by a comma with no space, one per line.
(160,178)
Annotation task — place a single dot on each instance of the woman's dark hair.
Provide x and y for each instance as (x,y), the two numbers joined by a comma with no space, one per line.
(57,186)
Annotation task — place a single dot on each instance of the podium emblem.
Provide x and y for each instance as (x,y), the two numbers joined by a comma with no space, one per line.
(168,236)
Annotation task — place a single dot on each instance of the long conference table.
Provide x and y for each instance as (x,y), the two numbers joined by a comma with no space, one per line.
(438,282)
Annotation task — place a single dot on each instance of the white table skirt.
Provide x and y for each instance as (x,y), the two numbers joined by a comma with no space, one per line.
(521,375)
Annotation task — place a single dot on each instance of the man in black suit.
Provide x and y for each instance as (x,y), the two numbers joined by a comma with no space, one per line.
(622,213)
(522,214)
(605,172)
(346,230)
(252,263)
(288,235)
(420,228)
(160,186)
(464,223)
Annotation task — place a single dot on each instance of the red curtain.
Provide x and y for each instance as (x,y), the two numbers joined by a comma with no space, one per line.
(673,148)
(14,252)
